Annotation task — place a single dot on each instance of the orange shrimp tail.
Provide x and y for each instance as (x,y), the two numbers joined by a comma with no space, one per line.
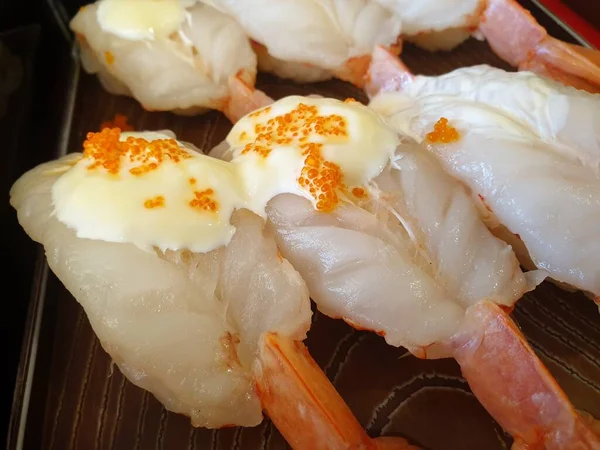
(243,99)
(516,37)
(304,405)
(386,73)
(355,69)
(514,386)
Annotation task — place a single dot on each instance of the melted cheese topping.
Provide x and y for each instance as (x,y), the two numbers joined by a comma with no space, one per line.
(141,19)
(322,149)
(519,104)
(150,190)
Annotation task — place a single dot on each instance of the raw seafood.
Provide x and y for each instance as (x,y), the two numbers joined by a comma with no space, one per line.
(529,151)
(401,251)
(169,56)
(203,313)
(313,40)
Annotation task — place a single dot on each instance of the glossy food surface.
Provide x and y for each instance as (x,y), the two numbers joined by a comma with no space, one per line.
(80,401)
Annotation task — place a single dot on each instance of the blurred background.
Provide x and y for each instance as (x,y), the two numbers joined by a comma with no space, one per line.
(34,57)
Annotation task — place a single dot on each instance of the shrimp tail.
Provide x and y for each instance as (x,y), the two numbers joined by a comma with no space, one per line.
(243,99)
(304,405)
(514,386)
(528,47)
(386,73)
(355,69)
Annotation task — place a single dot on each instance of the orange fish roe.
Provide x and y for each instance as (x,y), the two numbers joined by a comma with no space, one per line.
(321,178)
(350,100)
(442,132)
(109,58)
(118,121)
(260,111)
(296,126)
(107,151)
(359,192)
(156,202)
(192,181)
(203,200)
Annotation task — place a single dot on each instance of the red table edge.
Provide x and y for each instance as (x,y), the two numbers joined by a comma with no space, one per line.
(571,21)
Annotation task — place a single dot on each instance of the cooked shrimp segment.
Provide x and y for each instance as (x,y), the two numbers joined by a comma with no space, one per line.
(531,406)
(516,37)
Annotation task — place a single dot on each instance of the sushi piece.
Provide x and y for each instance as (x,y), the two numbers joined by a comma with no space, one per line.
(181,284)
(527,148)
(390,243)
(312,40)
(177,56)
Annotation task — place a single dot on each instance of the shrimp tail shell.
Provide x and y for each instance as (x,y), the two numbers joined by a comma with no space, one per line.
(386,73)
(304,405)
(512,383)
(528,47)
(243,99)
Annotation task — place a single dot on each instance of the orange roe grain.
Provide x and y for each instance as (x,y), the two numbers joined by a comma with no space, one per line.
(106,151)
(321,178)
(442,132)
(260,112)
(204,201)
(109,58)
(118,121)
(156,202)
(359,192)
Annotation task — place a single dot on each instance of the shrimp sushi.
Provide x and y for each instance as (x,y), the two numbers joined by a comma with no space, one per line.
(177,56)
(388,241)
(182,286)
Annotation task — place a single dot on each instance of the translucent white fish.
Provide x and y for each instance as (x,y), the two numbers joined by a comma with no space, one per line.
(436,24)
(417,265)
(186,71)
(419,234)
(215,335)
(529,151)
(314,40)
(413,261)
(183,326)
